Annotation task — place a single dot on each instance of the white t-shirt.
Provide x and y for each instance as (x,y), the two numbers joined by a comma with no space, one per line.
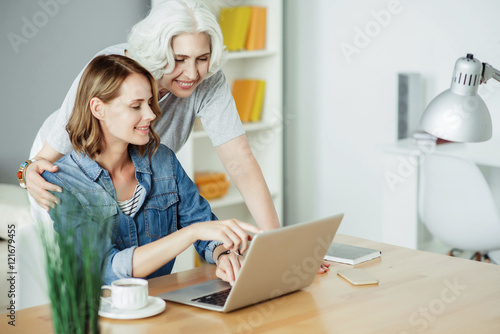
(211,101)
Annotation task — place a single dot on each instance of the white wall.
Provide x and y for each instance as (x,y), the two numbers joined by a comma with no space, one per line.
(343,105)
(44,44)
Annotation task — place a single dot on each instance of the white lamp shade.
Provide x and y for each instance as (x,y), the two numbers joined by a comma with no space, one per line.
(454,117)
(459,114)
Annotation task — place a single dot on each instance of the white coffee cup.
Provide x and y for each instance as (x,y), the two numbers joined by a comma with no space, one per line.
(128,293)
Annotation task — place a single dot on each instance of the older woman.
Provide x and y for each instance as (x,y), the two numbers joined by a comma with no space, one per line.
(180,43)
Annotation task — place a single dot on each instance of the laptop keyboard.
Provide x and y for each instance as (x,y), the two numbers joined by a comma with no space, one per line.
(216,298)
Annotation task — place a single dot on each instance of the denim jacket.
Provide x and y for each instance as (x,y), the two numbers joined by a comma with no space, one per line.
(171,202)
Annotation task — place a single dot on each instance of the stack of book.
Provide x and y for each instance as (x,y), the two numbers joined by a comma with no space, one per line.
(248,95)
(243,28)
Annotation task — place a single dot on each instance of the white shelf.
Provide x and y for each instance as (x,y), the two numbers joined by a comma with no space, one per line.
(232,197)
(250,54)
(258,126)
(198,132)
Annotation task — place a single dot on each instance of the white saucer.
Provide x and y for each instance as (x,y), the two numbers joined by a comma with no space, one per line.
(155,305)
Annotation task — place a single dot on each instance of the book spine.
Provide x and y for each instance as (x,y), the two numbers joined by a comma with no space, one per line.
(255,115)
(256,39)
(244,92)
(234,23)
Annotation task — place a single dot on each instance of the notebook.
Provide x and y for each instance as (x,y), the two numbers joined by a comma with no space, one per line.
(350,254)
(277,262)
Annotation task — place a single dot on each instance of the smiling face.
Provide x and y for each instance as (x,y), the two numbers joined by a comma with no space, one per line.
(192,59)
(127,118)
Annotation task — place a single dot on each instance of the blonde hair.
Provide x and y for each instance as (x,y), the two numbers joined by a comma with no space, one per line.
(150,40)
(103,78)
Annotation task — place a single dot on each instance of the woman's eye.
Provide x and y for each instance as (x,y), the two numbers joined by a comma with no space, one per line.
(179,60)
(136,107)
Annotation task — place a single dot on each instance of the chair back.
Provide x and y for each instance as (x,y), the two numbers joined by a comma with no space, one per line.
(456,204)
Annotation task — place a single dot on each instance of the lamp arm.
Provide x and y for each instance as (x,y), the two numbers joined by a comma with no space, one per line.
(489,72)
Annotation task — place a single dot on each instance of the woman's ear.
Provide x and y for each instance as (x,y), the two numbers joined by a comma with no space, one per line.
(97,108)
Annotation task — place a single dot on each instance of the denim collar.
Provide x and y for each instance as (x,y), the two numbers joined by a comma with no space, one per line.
(93,170)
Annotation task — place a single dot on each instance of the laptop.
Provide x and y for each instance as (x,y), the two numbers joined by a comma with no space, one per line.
(277,262)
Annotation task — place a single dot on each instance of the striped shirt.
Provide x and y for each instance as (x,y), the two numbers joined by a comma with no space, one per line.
(129,207)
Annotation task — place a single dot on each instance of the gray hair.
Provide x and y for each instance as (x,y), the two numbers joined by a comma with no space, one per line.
(150,40)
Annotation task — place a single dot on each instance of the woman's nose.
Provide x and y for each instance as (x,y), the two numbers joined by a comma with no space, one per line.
(150,115)
(190,70)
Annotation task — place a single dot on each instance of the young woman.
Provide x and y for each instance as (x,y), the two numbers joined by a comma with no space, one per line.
(180,43)
(121,178)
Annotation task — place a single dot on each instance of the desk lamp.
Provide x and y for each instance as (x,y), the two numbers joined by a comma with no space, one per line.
(459,114)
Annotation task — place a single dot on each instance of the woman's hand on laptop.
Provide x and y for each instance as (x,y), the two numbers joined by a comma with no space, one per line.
(228,266)
(234,237)
(231,232)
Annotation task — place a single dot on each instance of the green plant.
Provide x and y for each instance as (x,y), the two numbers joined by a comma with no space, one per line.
(74,274)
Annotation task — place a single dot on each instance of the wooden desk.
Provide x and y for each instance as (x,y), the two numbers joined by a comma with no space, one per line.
(418,292)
